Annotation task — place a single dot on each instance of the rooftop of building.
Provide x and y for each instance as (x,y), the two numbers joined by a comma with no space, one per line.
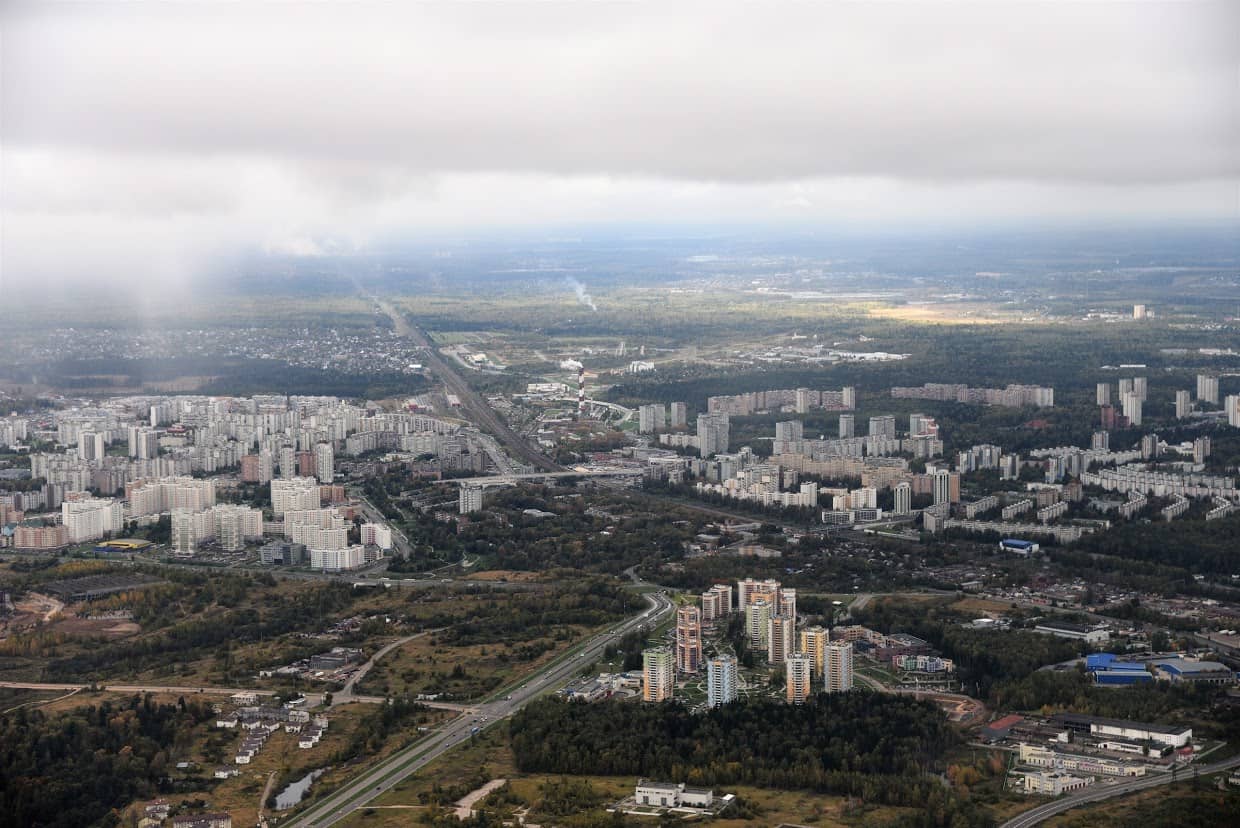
(1006,721)
(1064,626)
(1182,666)
(660,786)
(1085,720)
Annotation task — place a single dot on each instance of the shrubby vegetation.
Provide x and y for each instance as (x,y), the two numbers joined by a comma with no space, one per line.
(72,769)
(530,615)
(215,634)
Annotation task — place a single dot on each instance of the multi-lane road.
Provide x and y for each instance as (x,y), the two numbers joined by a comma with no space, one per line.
(383,776)
(472,403)
(1097,793)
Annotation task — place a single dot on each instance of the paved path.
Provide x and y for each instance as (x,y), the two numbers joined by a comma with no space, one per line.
(372,782)
(41,702)
(346,694)
(262,802)
(465,806)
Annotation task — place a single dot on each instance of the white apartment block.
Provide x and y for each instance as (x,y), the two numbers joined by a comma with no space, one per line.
(903,499)
(294,494)
(1207,389)
(325,462)
(713,432)
(1183,404)
(651,418)
(721,680)
(153,497)
(91,518)
(231,525)
(376,534)
(470,499)
(337,560)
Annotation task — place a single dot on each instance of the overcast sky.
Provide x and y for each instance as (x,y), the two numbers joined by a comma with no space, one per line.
(141,139)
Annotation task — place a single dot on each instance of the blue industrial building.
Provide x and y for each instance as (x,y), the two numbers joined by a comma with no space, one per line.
(1107,669)
(1114,678)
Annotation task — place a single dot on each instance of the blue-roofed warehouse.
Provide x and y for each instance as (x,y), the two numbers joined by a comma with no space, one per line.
(1115,678)
(1020,547)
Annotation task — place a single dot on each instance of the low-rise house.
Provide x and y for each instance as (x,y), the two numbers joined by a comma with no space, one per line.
(157,809)
(203,821)
(310,737)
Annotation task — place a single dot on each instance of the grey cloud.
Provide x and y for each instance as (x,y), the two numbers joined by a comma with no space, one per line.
(1114,93)
(140,140)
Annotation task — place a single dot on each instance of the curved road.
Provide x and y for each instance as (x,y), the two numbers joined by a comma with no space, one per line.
(346,693)
(391,771)
(1097,793)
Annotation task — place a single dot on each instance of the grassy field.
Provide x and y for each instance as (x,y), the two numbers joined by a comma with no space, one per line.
(428,665)
(981,607)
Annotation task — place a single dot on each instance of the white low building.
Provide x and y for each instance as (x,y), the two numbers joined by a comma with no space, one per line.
(1052,783)
(672,795)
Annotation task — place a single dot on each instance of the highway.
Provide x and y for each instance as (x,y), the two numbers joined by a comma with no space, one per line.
(471,402)
(391,771)
(1099,792)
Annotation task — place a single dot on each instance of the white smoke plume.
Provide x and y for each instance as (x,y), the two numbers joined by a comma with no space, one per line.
(582,296)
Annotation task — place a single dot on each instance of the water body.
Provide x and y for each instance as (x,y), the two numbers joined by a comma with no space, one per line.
(296,791)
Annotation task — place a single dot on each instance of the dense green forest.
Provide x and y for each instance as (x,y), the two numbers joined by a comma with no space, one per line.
(876,747)
(1196,546)
(984,658)
(215,635)
(68,770)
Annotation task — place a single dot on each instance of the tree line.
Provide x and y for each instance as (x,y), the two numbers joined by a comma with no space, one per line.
(876,747)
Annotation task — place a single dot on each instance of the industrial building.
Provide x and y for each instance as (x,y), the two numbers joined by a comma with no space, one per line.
(1175,736)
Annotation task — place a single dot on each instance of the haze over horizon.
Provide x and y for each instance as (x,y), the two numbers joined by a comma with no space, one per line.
(140,143)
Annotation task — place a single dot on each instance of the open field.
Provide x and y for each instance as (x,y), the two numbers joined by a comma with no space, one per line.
(945,313)
(981,607)
(431,666)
